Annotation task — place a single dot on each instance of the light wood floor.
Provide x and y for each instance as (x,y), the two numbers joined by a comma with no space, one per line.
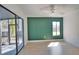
(41,48)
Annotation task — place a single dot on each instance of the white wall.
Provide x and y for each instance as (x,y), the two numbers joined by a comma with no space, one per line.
(71,28)
(14,8)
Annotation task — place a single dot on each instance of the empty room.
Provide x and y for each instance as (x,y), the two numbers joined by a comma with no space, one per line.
(39,29)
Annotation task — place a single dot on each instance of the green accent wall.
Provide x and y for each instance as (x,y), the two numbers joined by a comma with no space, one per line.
(40,28)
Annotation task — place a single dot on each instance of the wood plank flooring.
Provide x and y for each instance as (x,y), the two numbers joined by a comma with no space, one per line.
(41,48)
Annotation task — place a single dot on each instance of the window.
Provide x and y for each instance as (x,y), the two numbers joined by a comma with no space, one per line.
(57,29)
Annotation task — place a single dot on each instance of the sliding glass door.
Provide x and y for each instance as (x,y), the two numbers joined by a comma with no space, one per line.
(11,35)
(8,38)
(11,32)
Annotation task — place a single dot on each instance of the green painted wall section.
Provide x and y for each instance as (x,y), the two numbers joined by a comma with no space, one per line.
(40,28)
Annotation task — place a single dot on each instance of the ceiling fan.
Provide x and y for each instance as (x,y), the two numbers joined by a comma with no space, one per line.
(49,8)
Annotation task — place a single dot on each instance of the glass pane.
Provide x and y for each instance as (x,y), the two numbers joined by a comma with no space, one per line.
(4,25)
(4,14)
(20,33)
(54,28)
(6,47)
(4,35)
(4,32)
(12,34)
(11,21)
(0,37)
(58,28)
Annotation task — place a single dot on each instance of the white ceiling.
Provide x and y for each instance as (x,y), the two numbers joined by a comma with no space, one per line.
(36,10)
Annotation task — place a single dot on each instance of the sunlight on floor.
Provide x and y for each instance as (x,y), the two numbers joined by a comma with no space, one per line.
(53,44)
(55,48)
